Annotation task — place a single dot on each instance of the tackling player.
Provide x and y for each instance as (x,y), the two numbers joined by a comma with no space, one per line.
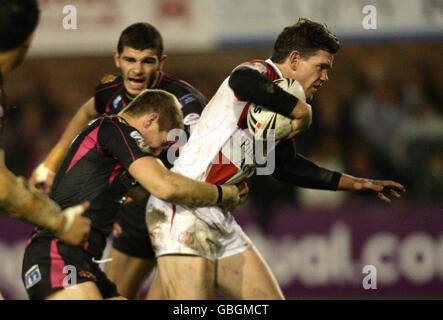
(140,58)
(103,150)
(207,242)
(18,20)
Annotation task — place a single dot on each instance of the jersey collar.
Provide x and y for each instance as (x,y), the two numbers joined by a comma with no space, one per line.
(269,61)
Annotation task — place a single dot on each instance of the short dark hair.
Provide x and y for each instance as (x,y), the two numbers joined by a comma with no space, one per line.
(18,19)
(306,36)
(141,36)
(159,101)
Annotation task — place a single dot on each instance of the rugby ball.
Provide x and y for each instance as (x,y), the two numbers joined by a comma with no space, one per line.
(265,124)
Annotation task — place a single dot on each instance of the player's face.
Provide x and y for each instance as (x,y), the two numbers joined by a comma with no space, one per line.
(139,68)
(312,72)
(156,139)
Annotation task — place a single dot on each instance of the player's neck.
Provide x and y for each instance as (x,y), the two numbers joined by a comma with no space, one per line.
(284,69)
(155,80)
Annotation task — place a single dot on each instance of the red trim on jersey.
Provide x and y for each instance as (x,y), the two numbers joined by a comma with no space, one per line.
(37,231)
(111,86)
(86,245)
(160,78)
(89,142)
(124,103)
(242,121)
(221,172)
(174,209)
(238,98)
(117,169)
(57,266)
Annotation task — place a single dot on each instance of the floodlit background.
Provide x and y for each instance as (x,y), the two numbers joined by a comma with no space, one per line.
(380,116)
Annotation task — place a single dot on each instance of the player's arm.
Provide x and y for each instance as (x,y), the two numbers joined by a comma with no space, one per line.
(45,172)
(295,169)
(251,85)
(169,186)
(21,201)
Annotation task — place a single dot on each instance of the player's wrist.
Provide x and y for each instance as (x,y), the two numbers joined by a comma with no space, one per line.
(60,225)
(219,195)
(67,218)
(42,172)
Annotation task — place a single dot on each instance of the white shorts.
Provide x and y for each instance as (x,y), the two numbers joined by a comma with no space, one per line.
(205,232)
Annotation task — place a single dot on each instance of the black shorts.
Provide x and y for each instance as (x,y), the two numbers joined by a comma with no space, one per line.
(49,265)
(134,239)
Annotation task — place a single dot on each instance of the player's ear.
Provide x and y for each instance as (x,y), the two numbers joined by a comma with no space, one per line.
(294,59)
(29,39)
(116,60)
(162,61)
(150,119)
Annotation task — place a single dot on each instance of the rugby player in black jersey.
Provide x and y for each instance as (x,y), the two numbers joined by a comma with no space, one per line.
(18,20)
(103,150)
(140,58)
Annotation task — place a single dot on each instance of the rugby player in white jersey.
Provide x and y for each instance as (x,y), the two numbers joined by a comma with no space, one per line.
(200,249)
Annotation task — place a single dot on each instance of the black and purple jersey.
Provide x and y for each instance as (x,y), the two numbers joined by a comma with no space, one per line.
(111,96)
(102,151)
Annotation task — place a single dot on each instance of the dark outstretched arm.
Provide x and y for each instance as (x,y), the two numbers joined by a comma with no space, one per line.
(293,168)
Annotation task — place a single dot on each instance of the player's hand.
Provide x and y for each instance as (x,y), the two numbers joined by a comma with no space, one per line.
(243,191)
(76,227)
(302,118)
(230,198)
(383,189)
(42,178)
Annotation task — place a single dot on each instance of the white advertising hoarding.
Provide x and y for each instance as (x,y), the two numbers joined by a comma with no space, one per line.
(73,27)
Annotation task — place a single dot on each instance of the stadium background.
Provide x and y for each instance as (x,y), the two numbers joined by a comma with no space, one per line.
(379,116)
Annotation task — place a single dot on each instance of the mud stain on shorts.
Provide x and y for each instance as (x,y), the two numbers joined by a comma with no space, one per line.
(156,217)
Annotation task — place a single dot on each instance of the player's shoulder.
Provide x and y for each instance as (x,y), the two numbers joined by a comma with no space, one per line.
(176,86)
(114,120)
(182,90)
(110,81)
(256,64)
(112,126)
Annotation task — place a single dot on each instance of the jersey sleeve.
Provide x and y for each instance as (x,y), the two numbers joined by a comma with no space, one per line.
(122,142)
(251,84)
(261,67)
(291,167)
(103,91)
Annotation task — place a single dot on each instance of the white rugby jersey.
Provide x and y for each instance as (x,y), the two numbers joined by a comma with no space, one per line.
(220,149)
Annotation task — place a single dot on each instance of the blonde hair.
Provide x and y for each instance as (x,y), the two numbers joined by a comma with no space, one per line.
(159,101)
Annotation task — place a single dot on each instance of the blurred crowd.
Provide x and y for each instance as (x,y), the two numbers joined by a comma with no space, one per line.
(379,116)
